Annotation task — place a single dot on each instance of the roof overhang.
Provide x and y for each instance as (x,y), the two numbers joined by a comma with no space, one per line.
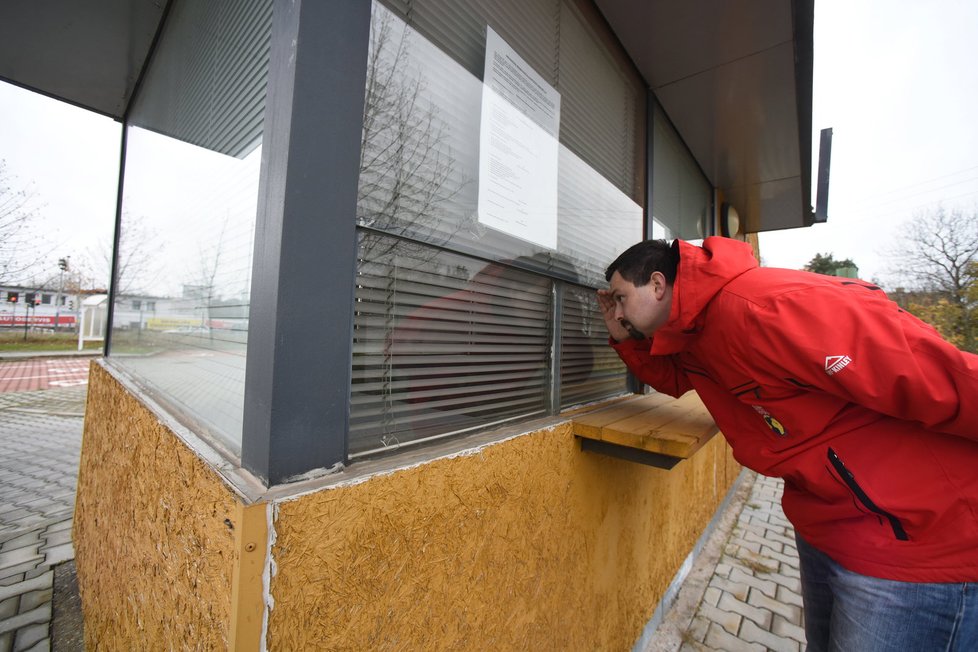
(86,53)
(734,76)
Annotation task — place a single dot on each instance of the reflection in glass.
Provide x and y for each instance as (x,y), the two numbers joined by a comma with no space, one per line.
(419,174)
(443,344)
(193,155)
(589,368)
(682,198)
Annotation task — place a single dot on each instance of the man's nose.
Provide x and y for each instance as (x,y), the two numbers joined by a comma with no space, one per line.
(618,311)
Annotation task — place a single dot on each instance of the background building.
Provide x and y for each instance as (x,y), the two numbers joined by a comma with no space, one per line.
(41,308)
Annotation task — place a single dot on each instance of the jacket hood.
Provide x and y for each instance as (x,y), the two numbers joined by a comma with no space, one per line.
(702,273)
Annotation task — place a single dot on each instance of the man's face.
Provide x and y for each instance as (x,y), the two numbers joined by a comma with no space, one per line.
(642,310)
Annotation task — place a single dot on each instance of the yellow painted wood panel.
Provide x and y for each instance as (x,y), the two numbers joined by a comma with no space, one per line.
(247,591)
(526,544)
(154,532)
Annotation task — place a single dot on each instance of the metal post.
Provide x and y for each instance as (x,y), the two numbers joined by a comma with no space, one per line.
(297,382)
(63,266)
(557,301)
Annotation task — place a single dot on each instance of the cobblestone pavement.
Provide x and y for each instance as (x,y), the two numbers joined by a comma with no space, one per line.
(40,443)
(744,591)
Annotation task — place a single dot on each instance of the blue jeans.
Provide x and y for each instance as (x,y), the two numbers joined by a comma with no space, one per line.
(848,612)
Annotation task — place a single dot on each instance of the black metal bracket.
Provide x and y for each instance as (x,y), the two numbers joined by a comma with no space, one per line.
(658,460)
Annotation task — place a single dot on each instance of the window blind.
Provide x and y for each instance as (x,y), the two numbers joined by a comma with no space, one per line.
(589,368)
(681,195)
(442,344)
(419,174)
(216,54)
(603,103)
(602,98)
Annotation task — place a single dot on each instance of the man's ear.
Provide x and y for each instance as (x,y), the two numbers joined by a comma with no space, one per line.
(658,281)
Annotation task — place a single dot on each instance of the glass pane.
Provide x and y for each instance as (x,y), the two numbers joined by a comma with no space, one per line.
(682,198)
(443,343)
(421,145)
(188,214)
(590,370)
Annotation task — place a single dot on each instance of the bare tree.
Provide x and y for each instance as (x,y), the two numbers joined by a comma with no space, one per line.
(934,250)
(204,282)
(936,259)
(72,280)
(407,168)
(19,213)
(138,268)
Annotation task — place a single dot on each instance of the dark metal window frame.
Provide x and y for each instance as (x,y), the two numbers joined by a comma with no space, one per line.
(297,382)
(298,377)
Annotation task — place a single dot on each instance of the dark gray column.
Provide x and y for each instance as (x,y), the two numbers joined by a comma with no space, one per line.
(297,385)
(651,106)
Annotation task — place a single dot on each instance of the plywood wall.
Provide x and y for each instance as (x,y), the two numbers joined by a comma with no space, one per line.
(153,532)
(529,544)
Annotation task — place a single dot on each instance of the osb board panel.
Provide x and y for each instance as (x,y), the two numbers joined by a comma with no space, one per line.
(153,532)
(530,544)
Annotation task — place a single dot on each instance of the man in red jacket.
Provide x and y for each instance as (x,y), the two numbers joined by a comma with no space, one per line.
(866,412)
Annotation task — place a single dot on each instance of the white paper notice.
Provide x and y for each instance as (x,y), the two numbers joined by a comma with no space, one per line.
(518,147)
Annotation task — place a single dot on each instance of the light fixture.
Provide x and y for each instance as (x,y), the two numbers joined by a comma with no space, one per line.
(729,221)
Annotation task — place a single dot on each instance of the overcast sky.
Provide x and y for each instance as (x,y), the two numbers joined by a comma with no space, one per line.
(68,159)
(895,79)
(897,82)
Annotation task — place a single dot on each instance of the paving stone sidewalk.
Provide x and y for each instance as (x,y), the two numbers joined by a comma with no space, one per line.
(40,443)
(743,592)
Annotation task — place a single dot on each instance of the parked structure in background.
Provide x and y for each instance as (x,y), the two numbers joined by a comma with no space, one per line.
(46,309)
(42,308)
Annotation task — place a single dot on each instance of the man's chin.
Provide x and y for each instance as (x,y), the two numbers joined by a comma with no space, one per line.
(635,335)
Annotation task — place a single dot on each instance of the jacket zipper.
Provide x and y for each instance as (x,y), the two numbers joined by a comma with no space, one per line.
(850,481)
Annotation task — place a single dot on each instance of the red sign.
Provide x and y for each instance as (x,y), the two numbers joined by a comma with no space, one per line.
(36,320)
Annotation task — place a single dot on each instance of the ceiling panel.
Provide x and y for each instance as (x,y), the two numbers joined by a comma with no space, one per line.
(86,53)
(734,76)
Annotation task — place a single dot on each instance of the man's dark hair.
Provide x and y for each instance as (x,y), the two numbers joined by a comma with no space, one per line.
(637,263)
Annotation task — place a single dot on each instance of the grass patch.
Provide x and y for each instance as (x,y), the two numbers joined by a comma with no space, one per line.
(14,339)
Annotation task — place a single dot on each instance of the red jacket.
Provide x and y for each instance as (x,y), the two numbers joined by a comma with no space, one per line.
(868,415)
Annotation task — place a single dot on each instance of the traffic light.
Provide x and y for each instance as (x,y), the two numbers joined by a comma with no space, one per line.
(13,296)
(63,264)
(29,298)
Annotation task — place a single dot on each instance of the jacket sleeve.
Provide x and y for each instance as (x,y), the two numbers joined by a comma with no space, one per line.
(662,372)
(854,343)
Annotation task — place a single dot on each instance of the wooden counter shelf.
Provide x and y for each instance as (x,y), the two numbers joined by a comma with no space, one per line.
(656,429)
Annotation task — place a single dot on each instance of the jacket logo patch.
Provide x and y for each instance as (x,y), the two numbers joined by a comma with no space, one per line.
(771,422)
(836,363)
